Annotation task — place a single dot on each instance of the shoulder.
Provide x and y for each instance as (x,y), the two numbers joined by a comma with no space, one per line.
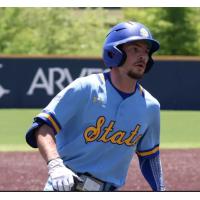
(81,86)
(152,107)
(90,81)
(150,100)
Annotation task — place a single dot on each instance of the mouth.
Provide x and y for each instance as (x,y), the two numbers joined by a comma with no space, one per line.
(140,65)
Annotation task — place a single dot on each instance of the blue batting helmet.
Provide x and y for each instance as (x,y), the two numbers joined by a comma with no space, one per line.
(123,33)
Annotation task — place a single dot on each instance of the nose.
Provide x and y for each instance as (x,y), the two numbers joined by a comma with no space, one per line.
(144,56)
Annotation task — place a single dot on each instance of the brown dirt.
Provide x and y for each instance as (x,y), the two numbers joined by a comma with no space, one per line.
(26,171)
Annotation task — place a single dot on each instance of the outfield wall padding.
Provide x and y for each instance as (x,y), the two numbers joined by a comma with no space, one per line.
(31,82)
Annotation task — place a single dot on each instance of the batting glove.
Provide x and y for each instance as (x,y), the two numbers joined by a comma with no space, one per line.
(62,178)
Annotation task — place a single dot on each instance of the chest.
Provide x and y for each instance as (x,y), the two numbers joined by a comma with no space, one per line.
(112,120)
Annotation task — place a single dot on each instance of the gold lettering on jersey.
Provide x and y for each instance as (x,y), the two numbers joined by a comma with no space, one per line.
(117,138)
(93,133)
(129,141)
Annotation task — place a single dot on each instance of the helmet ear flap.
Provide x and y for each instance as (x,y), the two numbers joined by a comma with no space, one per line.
(114,56)
(124,56)
(110,54)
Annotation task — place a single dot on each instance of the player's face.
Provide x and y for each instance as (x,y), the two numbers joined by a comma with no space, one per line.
(137,58)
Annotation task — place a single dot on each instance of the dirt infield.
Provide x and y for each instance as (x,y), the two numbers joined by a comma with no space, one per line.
(22,171)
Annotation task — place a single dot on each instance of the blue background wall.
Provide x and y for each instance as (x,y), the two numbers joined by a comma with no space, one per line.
(175,84)
(31,82)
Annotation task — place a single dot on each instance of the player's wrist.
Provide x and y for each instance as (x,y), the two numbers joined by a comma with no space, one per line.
(54,161)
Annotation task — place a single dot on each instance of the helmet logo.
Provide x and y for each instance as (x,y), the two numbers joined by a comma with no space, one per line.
(144,32)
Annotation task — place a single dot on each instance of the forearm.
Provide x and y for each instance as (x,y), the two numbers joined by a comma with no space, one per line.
(46,142)
(151,169)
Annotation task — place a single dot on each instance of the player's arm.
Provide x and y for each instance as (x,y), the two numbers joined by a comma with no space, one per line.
(148,151)
(42,135)
(46,142)
(58,112)
(151,169)
(62,178)
(48,124)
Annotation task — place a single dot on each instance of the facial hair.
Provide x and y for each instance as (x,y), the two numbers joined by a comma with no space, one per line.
(134,75)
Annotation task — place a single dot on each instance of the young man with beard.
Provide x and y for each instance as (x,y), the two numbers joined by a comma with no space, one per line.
(89,133)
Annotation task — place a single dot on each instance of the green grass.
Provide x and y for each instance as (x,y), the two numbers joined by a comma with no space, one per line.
(14,123)
(179,129)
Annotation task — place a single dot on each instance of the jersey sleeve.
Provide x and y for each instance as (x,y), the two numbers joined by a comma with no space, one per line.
(63,106)
(59,111)
(148,146)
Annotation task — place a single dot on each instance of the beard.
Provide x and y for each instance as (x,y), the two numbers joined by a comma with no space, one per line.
(135,75)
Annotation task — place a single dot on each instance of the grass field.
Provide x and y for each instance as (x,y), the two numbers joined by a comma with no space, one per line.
(179,129)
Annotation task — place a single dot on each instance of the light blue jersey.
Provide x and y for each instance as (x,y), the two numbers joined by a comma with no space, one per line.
(98,131)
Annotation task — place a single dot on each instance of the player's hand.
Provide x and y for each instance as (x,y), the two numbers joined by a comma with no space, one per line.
(62,178)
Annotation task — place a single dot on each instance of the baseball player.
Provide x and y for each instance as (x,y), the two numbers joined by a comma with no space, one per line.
(89,133)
